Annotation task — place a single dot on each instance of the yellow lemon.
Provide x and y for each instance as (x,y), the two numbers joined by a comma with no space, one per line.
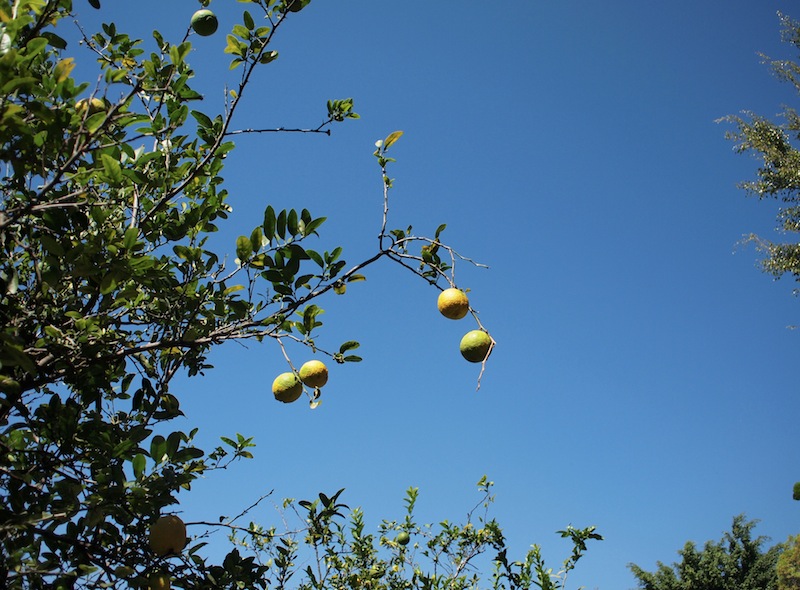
(453,303)
(287,388)
(475,346)
(314,373)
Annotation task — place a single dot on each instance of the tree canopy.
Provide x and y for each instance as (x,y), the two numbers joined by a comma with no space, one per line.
(735,562)
(789,565)
(109,290)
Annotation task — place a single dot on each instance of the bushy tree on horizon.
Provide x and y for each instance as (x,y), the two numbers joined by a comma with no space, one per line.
(735,562)
(109,289)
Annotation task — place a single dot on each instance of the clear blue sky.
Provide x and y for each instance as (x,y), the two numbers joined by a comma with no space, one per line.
(645,379)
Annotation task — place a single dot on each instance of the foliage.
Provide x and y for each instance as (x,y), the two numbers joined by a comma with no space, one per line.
(775,143)
(344,555)
(109,290)
(789,565)
(736,562)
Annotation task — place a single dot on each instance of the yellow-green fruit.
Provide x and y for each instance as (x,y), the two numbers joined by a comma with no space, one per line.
(287,388)
(93,105)
(475,346)
(204,22)
(314,373)
(403,538)
(453,303)
(158,582)
(9,385)
(168,535)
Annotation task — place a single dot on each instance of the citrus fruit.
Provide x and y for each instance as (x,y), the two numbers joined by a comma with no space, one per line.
(287,388)
(93,105)
(475,346)
(167,535)
(204,22)
(158,582)
(403,538)
(9,385)
(314,373)
(453,303)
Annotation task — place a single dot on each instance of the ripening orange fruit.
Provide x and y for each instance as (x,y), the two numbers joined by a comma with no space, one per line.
(453,303)
(475,346)
(167,535)
(287,388)
(314,373)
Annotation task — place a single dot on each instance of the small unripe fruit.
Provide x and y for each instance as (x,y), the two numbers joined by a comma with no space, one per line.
(403,538)
(475,346)
(204,22)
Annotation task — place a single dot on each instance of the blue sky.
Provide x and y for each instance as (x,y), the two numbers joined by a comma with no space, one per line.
(645,378)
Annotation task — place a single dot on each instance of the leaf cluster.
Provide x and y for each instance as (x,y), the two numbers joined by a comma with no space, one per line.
(775,144)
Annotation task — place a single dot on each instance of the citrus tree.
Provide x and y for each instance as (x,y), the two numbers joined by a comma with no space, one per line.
(109,290)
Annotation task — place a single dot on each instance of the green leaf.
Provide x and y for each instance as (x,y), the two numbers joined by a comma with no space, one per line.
(248,20)
(108,283)
(257,238)
(280,225)
(311,226)
(291,223)
(244,248)
(316,258)
(269,223)
(35,46)
(158,447)
(202,119)
(356,278)
(139,464)
(131,237)
(349,345)
(112,169)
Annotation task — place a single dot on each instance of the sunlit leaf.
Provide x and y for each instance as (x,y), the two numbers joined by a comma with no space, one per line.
(391,139)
